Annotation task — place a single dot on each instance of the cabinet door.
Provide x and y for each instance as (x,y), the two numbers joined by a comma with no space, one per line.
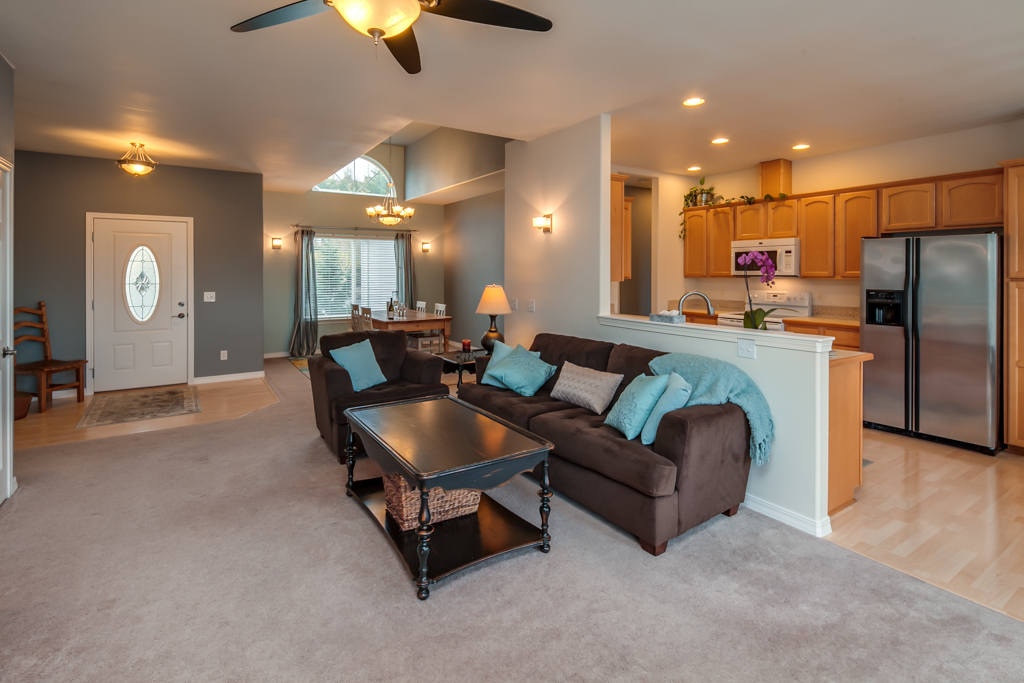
(720,230)
(856,217)
(972,201)
(1015,222)
(695,246)
(750,222)
(781,219)
(910,207)
(618,193)
(816,221)
(627,238)
(1014,364)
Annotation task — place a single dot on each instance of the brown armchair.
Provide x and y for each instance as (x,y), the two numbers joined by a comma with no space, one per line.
(409,374)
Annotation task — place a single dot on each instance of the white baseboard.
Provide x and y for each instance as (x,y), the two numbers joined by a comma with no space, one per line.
(277,354)
(817,528)
(63,393)
(213,379)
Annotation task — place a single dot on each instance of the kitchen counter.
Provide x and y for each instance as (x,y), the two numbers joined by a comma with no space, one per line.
(824,320)
(842,357)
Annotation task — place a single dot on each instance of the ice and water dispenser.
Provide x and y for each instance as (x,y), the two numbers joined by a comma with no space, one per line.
(884,307)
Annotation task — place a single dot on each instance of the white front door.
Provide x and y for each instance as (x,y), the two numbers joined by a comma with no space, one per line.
(140,281)
(7,481)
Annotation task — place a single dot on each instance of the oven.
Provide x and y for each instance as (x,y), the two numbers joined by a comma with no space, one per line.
(784,253)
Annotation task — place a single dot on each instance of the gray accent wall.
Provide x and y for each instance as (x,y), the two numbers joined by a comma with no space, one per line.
(54,192)
(635,293)
(448,157)
(474,257)
(6,110)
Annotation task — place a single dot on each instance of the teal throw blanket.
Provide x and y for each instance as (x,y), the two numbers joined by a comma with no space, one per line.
(716,382)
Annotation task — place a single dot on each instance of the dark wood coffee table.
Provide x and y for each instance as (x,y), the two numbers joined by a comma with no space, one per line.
(442,441)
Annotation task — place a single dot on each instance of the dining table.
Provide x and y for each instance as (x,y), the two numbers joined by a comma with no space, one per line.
(414,321)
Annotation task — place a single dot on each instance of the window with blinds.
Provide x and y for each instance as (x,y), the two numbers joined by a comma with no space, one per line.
(353,270)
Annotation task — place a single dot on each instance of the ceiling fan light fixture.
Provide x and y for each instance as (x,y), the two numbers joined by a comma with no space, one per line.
(136,161)
(378,18)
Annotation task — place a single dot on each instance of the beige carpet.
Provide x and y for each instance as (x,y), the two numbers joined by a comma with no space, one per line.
(229,552)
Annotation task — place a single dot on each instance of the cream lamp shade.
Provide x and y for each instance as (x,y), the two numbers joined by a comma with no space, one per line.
(493,303)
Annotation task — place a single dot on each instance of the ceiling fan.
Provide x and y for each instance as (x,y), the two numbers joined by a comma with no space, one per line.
(391,20)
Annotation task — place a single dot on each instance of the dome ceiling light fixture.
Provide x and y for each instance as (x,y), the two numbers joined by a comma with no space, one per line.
(801,146)
(389,213)
(719,141)
(392,20)
(136,161)
(693,102)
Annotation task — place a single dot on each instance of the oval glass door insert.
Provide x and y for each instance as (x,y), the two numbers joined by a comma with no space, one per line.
(141,284)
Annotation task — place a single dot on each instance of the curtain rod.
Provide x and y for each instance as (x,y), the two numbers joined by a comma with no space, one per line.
(328,227)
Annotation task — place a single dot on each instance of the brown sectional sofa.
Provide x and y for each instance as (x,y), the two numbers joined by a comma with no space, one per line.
(696,469)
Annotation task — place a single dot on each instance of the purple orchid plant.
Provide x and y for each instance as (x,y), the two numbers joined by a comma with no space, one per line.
(754,319)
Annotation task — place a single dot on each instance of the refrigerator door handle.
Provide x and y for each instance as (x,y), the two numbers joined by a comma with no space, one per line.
(909,334)
(913,367)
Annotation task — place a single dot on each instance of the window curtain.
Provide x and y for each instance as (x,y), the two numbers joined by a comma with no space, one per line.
(406,273)
(304,334)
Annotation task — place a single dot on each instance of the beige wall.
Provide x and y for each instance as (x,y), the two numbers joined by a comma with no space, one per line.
(449,157)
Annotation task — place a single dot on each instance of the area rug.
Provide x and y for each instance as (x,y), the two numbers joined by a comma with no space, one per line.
(140,405)
(302,364)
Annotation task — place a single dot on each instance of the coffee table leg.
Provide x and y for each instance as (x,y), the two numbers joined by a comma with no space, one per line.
(545,509)
(423,532)
(350,457)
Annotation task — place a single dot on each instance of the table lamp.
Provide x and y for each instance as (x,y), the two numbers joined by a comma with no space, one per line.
(493,303)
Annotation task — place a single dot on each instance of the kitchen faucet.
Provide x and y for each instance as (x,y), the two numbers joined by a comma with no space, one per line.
(711,309)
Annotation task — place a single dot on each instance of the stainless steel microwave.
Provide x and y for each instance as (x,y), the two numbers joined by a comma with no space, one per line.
(784,253)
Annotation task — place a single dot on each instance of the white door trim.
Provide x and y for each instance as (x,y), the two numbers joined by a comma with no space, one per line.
(90,329)
(9,483)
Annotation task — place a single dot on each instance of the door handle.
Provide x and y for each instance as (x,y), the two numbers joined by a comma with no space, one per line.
(10,352)
(180,315)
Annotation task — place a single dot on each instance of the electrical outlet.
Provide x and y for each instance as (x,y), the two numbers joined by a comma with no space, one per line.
(820,296)
(224,355)
(513,304)
(746,348)
(531,306)
(209,297)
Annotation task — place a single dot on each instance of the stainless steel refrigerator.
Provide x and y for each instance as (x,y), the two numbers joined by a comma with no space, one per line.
(930,315)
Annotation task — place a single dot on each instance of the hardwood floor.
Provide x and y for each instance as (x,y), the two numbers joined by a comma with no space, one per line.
(221,401)
(951,517)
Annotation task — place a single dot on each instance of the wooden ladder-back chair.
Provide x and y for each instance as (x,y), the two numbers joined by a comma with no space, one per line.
(43,370)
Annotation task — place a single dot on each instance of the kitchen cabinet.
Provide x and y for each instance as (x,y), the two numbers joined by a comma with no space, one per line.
(700,318)
(720,231)
(856,217)
(695,246)
(618,211)
(816,221)
(972,201)
(846,331)
(781,219)
(845,428)
(751,222)
(1014,238)
(1014,417)
(908,207)
(627,238)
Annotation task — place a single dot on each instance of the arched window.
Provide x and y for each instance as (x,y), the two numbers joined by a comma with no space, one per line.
(362,176)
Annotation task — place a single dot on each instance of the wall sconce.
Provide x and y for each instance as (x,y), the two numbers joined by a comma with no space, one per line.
(275,242)
(425,246)
(543,222)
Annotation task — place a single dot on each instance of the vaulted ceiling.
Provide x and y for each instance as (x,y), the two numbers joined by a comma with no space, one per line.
(298,101)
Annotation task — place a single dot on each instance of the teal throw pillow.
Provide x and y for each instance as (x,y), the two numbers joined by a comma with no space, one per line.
(631,411)
(500,352)
(677,393)
(522,372)
(361,364)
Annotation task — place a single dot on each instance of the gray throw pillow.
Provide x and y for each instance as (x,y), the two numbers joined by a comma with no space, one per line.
(586,388)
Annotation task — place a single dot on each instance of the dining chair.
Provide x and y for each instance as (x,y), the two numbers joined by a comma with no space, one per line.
(357,319)
(366,316)
(429,337)
(421,306)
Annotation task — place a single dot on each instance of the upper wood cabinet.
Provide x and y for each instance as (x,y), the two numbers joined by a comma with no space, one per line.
(627,238)
(908,207)
(618,203)
(695,246)
(972,201)
(751,222)
(781,219)
(720,231)
(856,217)
(1014,222)
(816,221)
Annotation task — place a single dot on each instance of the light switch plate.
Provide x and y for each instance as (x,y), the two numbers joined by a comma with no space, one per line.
(209,297)
(223,355)
(513,304)
(531,306)
(746,348)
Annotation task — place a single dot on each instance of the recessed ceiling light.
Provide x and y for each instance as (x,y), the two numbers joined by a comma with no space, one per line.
(693,102)
(801,146)
(693,168)
(719,141)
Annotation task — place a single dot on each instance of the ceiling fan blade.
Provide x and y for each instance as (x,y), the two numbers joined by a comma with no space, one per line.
(405,50)
(490,12)
(282,15)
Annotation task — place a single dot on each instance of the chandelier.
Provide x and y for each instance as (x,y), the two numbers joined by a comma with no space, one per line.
(390,213)
(136,161)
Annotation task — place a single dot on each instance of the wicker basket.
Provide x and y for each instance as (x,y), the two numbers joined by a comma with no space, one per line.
(403,502)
